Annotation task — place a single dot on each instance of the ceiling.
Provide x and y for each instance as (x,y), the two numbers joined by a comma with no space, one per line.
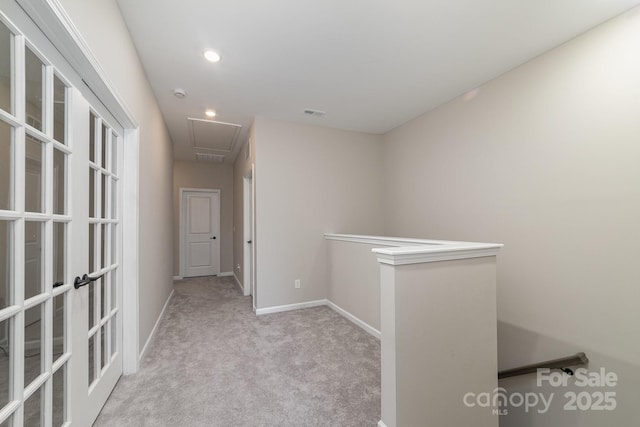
(371,65)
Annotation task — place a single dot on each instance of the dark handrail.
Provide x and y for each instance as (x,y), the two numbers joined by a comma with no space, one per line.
(578,359)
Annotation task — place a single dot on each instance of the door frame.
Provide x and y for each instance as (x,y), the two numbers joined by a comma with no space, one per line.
(57,26)
(183,223)
(249,233)
(247,285)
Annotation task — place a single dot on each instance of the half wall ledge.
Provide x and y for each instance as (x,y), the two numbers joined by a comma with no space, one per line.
(404,250)
(437,317)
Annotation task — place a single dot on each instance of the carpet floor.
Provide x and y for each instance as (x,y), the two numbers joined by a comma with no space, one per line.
(214,363)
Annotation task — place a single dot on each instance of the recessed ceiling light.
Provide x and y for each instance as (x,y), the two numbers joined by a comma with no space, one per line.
(210,113)
(211,55)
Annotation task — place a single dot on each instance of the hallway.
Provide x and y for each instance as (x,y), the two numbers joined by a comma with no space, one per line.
(214,363)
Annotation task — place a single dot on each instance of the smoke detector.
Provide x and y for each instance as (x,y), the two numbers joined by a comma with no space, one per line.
(179,93)
(315,113)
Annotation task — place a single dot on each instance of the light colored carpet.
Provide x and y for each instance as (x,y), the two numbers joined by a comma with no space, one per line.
(214,363)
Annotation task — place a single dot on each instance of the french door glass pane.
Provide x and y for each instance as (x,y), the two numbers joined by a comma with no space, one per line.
(59,181)
(113,334)
(33,409)
(34,84)
(103,202)
(103,346)
(5,362)
(33,339)
(108,341)
(92,248)
(103,297)
(59,311)
(6,263)
(33,175)
(103,245)
(59,394)
(59,109)
(92,193)
(114,154)
(114,283)
(33,260)
(103,145)
(6,166)
(59,252)
(114,199)
(91,305)
(92,359)
(114,243)
(92,137)
(6,91)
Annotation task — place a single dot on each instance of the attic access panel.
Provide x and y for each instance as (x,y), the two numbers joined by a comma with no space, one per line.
(212,135)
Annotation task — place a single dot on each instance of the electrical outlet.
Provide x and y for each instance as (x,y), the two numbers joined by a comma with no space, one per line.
(297,284)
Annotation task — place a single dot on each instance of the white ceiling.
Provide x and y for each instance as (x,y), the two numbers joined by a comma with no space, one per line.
(370,64)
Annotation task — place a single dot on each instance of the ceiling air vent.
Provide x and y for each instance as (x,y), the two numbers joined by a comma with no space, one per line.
(316,113)
(205,157)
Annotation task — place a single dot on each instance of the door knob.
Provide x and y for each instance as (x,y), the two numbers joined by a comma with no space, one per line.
(86,279)
(214,238)
(249,241)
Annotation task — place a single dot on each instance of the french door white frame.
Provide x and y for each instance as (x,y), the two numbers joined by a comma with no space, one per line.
(57,26)
(183,223)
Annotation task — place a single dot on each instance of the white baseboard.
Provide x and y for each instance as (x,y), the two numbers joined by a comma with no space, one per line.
(289,307)
(155,327)
(370,329)
(238,283)
(381,424)
(280,308)
(223,274)
(245,292)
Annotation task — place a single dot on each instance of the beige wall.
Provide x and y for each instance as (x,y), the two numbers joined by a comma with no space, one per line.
(354,280)
(102,26)
(310,181)
(188,174)
(545,160)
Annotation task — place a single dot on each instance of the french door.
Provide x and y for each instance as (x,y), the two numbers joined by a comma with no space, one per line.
(60,250)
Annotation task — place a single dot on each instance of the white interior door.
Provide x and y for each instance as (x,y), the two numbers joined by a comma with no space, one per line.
(97,298)
(201,242)
(60,346)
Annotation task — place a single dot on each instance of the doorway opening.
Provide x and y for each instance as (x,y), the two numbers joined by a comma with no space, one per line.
(248,236)
(249,253)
